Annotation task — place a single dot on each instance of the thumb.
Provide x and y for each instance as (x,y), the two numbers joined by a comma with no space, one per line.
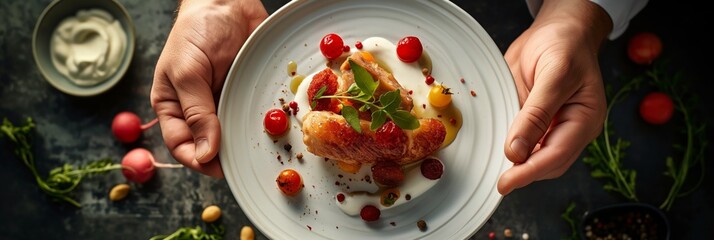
(533,120)
(199,109)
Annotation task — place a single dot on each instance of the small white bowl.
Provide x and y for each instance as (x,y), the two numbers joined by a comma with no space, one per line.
(51,17)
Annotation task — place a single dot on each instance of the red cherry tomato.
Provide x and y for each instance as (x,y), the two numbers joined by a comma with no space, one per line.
(275,122)
(656,108)
(409,49)
(289,182)
(370,213)
(643,48)
(332,46)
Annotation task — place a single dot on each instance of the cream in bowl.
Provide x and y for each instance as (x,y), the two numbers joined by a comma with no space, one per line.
(83,47)
(88,48)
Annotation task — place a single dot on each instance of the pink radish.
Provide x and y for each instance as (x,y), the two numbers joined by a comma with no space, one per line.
(139,165)
(127,127)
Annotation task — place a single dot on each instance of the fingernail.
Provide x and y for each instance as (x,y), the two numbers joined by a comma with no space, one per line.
(520,148)
(201,150)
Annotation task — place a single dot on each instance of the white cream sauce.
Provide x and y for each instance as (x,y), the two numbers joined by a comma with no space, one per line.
(415,184)
(89,47)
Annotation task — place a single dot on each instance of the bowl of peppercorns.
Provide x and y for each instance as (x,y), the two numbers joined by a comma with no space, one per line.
(625,221)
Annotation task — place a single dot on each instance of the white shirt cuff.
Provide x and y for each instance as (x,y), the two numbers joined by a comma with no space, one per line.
(620,11)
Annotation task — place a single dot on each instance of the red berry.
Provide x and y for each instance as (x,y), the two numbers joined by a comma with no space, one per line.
(358,45)
(346,48)
(409,49)
(388,173)
(294,107)
(370,213)
(326,78)
(340,197)
(429,80)
(275,122)
(432,168)
(492,235)
(293,104)
(332,46)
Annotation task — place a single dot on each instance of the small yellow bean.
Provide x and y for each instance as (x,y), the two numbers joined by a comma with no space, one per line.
(119,192)
(246,233)
(211,214)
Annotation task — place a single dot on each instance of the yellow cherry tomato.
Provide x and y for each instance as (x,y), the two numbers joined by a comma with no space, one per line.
(439,96)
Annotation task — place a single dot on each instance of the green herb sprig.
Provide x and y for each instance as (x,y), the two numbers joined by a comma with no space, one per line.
(61,180)
(694,130)
(362,90)
(567,216)
(606,156)
(195,233)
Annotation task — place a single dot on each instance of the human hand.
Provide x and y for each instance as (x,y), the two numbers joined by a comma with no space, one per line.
(555,67)
(190,72)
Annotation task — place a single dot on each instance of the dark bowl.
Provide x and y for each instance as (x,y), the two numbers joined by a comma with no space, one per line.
(51,17)
(633,220)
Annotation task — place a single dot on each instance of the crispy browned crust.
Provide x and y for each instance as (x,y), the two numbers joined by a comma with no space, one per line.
(329,135)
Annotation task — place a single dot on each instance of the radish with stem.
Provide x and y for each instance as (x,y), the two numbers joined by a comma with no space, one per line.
(139,165)
(127,127)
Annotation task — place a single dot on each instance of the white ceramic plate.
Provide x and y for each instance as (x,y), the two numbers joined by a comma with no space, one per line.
(459,47)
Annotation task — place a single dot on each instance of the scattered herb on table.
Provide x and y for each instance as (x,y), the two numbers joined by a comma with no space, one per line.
(195,233)
(568,217)
(694,130)
(606,155)
(363,91)
(61,180)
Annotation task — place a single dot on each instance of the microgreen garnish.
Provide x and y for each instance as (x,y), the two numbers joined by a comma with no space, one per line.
(387,106)
(568,217)
(606,156)
(363,79)
(61,180)
(352,117)
(318,95)
(193,233)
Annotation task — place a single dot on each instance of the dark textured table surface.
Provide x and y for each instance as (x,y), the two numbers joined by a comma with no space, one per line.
(76,130)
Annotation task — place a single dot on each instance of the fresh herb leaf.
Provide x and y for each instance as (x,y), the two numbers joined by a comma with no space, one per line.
(606,157)
(568,217)
(364,108)
(195,233)
(363,79)
(378,119)
(692,152)
(318,95)
(390,101)
(363,97)
(61,180)
(404,119)
(353,90)
(363,91)
(352,117)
